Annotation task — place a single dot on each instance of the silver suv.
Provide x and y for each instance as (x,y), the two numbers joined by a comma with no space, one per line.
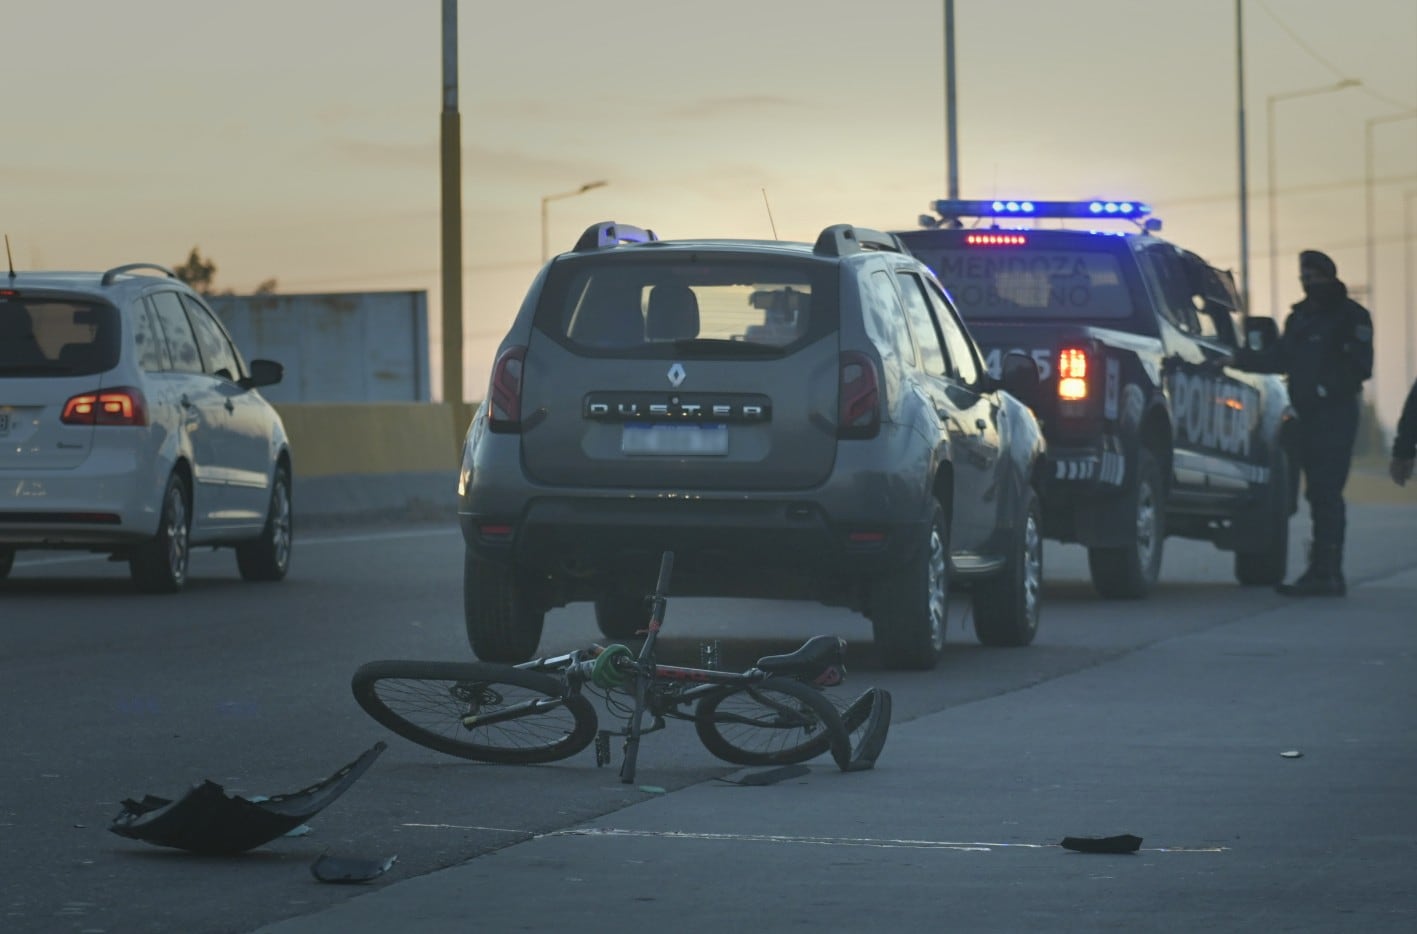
(130,424)
(793,420)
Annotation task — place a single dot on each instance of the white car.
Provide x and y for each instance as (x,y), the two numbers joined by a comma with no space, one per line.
(130,424)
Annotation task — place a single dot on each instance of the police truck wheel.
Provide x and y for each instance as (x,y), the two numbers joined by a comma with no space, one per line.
(1267,567)
(620,615)
(1129,572)
(503,625)
(909,608)
(1006,606)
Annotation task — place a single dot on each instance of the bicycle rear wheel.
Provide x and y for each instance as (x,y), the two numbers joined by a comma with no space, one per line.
(525,717)
(775,722)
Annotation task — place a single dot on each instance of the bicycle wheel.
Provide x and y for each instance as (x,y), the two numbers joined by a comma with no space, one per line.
(523,717)
(775,722)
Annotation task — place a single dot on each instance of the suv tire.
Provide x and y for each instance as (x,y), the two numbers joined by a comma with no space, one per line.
(502,625)
(7,561)
(909,609)
(1267,568)
(620,615)
(1128,572)
(1006,605)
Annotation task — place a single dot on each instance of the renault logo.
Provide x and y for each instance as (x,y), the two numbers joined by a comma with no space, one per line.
(676,375)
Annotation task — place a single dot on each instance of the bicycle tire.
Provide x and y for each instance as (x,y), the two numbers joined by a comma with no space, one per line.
(742,725)
(425,702)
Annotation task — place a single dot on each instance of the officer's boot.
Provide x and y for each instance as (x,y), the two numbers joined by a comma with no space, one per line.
(1324,576)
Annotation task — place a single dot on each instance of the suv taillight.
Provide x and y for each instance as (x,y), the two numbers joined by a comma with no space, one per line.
(123,405)
(505,411)
(1072,374)
(859,395)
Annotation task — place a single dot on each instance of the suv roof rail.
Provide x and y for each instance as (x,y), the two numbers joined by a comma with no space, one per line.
(609,233)
(117,271)
(844,240)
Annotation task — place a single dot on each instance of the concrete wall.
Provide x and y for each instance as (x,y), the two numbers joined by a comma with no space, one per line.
(357,462)
(336,347)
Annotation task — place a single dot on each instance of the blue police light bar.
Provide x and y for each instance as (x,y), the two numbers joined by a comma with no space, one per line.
(1119,209)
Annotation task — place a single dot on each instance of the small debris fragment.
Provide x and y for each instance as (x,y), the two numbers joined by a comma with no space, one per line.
(329,868)
(769,776)
(1121,843)
(1292,754)
(652,789)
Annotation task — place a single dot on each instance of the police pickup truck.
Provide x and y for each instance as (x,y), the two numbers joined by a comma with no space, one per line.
(1152,429)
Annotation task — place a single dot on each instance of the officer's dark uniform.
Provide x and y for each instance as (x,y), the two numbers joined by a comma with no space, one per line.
(1404,443)
(1327,351)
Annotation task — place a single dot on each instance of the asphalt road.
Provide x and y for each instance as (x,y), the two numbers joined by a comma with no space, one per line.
(1108,723)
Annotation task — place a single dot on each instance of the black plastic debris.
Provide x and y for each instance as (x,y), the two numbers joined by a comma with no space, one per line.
(211,822)
(1121,843)
(349,869)
(868,719)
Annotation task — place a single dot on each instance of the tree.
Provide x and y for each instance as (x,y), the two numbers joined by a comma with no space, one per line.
(197,272)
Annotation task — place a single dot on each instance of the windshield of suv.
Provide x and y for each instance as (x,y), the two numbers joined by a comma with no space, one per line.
(710,302)
(1011,282)
(56,337)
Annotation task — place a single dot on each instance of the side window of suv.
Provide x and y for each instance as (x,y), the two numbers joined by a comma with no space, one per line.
(147,337)
(885,319)
(218,357)
(922,325)
(963,361)
(180,341)
(1175,298)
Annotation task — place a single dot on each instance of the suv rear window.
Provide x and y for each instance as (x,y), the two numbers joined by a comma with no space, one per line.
(1019,282)
(56,337)
(644,306)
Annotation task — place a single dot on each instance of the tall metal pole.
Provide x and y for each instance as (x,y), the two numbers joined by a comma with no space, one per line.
(451,159)
(951,134)
(1244,172)
(1410,308)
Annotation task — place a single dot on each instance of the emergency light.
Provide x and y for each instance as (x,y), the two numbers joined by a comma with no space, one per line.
(1018,208)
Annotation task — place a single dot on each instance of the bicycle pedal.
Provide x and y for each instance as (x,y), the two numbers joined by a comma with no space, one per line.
(602,748)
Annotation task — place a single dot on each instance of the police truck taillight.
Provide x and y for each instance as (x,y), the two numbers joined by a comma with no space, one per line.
(123,405)
(859,395)
(504,412)
(1072,374)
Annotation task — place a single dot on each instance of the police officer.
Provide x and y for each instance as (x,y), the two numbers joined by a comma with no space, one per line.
(1327,351)
(1404,445)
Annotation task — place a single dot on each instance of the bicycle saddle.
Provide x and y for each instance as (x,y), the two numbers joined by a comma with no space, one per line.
(818,656)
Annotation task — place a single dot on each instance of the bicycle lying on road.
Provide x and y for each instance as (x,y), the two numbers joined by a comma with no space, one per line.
(775,713)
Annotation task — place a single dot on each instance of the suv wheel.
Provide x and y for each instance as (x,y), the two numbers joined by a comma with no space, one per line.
(1006,605)
(7,561)
(267,558)
(1267,567)
(910,607)
(502,625)
(1129,571)
(159,565)
(620,615)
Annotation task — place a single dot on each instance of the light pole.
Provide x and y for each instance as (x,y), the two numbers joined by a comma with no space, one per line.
(546,199)
(1269,174)
(1411,306)
(450,158)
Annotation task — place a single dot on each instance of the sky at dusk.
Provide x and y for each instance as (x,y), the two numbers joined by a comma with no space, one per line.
(298,140)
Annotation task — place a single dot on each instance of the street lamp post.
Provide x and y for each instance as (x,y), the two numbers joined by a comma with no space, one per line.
(1269,174)
(546,199)
(1410,308)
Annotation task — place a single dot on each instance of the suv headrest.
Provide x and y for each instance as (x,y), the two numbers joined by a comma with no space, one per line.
(673,313)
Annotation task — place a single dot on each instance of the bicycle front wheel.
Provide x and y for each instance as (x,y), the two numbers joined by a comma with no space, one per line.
(473,710)
(775,722)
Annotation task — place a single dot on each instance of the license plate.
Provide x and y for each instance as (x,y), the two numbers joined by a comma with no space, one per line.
(675,439)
